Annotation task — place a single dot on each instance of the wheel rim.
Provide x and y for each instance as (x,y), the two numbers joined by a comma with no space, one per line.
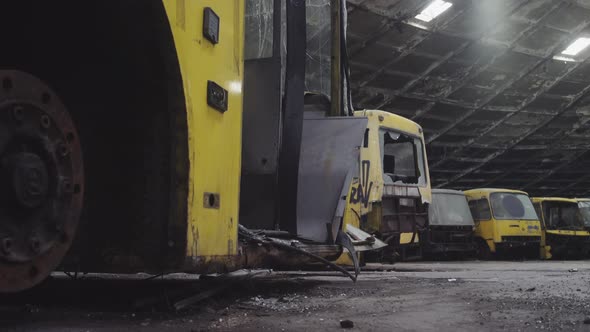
(41,180)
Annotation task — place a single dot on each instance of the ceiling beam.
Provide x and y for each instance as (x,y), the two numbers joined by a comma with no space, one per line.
(521,138)
(474,70)
(579,151)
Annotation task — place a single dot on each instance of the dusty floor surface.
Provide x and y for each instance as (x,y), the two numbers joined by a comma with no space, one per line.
(426,296)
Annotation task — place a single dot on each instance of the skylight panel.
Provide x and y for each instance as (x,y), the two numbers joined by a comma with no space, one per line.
(433,10)
(577,46)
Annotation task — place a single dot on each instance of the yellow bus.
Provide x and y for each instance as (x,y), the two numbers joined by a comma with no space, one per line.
(505,222)
(564,233)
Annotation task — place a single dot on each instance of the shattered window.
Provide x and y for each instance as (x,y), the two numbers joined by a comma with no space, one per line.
(259,39)
(562,215)
(510,206)
(259,29)
(480,209)
(318,63)
(402,158)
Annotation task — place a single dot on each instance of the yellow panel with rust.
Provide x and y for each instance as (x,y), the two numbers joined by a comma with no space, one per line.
(352,213)
(565,232)
(406,238)
(546,252)
(214,137)
(554,199)
(374,217)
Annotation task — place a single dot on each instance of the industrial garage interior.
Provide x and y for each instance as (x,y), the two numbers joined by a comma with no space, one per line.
(500,104)
(295,165)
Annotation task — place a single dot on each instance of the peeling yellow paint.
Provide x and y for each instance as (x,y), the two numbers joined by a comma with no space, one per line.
(214,137)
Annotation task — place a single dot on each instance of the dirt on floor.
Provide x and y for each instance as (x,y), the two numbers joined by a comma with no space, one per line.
(425,296)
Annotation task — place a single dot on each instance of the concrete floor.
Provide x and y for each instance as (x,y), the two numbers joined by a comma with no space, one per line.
(425,296)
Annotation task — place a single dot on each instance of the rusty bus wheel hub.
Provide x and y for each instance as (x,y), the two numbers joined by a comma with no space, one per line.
(41,180)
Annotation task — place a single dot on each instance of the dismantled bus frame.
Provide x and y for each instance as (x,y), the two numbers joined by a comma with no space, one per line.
(394,184)
(450,224)
(404,214)
(404,218)
(297,166)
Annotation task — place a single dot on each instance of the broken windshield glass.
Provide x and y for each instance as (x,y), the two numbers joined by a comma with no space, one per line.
(259,29)
(319,47)
(402,158)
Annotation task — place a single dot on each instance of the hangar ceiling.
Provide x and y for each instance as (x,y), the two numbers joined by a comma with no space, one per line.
(496,107)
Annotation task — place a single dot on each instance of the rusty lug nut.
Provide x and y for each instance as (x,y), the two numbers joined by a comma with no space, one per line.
(17,113)
(45,121)
(6,245)
(35,245)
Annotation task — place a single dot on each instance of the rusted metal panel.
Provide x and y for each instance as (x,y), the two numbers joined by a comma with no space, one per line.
(329,150)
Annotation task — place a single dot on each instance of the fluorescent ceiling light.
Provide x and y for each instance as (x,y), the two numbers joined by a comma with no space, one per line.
(564,58)
(577,46)
(435,8)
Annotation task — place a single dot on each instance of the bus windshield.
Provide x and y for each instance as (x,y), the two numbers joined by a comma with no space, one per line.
(449,210)
(402,158)
(562,215)
(584,208)
(511,206)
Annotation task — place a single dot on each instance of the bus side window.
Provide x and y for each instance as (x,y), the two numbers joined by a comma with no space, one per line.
(480,209)
(473,210)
